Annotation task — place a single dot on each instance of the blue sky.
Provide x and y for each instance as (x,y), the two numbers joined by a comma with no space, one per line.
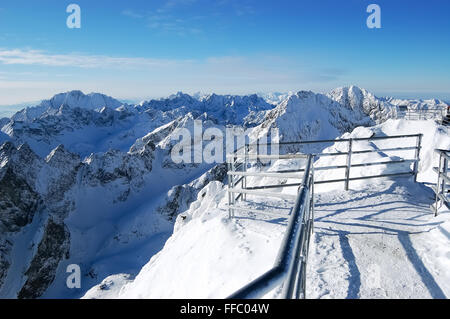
(138,49)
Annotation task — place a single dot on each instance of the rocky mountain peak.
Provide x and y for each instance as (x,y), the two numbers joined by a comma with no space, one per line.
(60,157)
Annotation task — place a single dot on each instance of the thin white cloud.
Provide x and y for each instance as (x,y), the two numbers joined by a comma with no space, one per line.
(147,76)
(166,20)
(170,4)
(225,67)
(34,57)
(132,14)
(171,24)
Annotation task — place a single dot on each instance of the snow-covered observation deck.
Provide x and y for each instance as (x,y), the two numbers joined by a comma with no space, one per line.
(251,184)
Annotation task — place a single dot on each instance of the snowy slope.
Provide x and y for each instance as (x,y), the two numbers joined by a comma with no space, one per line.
(228,254)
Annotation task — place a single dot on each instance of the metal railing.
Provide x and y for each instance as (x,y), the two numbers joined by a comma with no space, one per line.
(290,267)
(420,114)
(252,151)
(238,174)
(442,188)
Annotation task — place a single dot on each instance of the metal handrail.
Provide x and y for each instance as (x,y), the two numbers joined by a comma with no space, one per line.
(373,138)
(349,153)
(420,114)
(289,268)
(443,182)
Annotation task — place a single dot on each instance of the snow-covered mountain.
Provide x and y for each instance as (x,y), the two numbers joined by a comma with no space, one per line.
(72,99)
(416,104)
(362,103)
(313,116)
(89,180)
(97,123)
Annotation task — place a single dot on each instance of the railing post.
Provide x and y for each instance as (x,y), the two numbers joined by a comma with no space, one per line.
(438,185)
(244,169)
(417,156)
(312,196)
(257,152)
(349,164)
(230,183)
(444,173)
(235,164)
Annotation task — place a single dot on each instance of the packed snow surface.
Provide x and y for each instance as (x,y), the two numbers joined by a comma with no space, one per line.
(379,242)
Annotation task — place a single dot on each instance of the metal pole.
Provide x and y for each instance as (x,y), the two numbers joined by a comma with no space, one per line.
(312,198)
(233,198)
(244,169)
(438,185)
(417,156)
(444,173)
(257,152)
(233,167)
(230,182)
(349,164)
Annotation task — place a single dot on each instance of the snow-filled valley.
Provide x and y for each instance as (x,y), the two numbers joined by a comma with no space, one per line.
(88,180)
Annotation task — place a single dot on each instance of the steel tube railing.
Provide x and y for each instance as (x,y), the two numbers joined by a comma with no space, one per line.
(443,181)
(283,272)
(290,267)
(420,114)
(238,166)
(373,138)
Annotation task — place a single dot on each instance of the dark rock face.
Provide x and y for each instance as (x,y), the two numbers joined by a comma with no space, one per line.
(53,247)
(18,202)
(31,185)
(5,249)
(181,196)
(18,205)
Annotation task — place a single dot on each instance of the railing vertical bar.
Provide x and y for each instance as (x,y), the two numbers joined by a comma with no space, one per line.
(244,169)
(436,208)
(349,164)
(444,173)
(230,183)
(417,156)
(441,185)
